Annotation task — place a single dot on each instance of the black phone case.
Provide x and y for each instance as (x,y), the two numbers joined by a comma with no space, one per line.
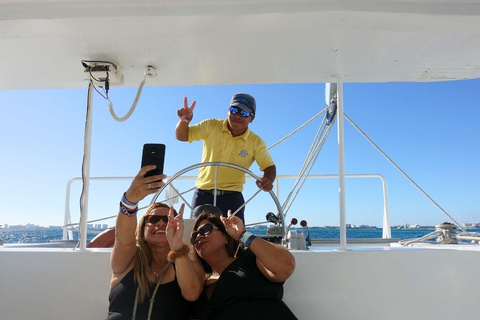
(153,153)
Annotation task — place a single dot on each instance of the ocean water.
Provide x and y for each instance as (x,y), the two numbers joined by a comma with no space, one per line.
(45,235)
(36,235)
(361,233)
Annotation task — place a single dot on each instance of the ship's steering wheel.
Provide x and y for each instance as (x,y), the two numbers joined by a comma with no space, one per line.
(279,216)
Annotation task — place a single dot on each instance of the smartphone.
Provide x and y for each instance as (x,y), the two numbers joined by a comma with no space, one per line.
(153,153)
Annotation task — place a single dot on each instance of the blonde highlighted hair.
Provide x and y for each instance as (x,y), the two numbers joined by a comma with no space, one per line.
(144,253)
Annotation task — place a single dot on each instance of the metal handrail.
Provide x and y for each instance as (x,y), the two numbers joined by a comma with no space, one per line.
(386,233)
(67,234)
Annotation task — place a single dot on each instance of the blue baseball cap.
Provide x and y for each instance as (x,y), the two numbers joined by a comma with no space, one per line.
(244,101)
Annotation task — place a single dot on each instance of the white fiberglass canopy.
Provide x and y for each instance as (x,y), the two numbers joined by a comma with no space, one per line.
(198,42)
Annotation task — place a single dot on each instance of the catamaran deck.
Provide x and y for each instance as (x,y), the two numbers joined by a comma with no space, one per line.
(363,283)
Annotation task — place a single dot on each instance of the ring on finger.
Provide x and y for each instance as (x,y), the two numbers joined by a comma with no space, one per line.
(149,186)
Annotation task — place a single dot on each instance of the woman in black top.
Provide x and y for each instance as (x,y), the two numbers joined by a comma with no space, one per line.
(152,275)
(239,284)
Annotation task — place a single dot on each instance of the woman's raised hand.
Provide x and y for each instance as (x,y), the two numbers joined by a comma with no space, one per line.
(233,225)
(175,228)
(142,187)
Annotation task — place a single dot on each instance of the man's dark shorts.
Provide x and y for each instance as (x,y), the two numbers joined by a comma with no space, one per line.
(229,200)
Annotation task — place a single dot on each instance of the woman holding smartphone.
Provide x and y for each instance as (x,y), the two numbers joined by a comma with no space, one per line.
(153,276)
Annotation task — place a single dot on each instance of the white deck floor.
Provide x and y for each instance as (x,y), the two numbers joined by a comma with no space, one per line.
(368,283)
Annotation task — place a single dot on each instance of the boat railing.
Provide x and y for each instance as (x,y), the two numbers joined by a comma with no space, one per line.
(67,227)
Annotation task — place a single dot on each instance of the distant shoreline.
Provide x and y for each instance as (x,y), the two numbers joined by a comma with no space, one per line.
(415,227)
(47,235)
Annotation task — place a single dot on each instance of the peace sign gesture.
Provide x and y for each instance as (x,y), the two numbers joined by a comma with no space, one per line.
(174,230)
(186,113)
(233,225)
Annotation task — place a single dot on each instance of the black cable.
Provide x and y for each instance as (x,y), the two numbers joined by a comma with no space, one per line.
(97,61)
(107,82)
(89,68)
(91,75)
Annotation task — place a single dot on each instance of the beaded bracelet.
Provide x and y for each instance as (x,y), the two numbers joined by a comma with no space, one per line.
(128,208)
(174,254)
(128,204)
(127,211)
(247,239)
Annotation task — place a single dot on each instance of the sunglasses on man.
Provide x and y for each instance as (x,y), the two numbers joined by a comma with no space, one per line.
(203,230)
(153,219)
(235,110)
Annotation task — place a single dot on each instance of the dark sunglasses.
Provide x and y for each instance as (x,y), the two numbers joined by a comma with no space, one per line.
(203,230)
(153,219)
(235,110)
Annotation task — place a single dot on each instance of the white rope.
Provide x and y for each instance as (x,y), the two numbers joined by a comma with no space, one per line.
(304,178)
(180,194)
(472,236)
(134,105)
(423,239)
(403,172)
(102,219)
(310,160)
(306,163)
(296,130)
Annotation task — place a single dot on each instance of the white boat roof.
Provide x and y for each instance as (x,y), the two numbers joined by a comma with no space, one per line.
(205,42)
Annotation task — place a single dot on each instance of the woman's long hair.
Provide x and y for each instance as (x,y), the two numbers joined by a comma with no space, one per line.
(144,253)
(232,244)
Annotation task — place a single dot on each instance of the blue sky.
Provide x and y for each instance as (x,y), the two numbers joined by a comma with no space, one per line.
(429,129)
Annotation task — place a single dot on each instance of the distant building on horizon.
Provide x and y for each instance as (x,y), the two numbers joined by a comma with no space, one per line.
(31,226)
(471,225)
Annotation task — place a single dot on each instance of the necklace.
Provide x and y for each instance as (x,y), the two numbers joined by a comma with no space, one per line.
(157,275)
(152,299)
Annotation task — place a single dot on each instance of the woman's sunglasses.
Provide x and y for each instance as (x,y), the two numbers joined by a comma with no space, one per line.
(203,230)
(235,110)
(153,219)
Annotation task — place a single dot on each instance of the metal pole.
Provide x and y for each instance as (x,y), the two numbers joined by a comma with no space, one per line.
(386,231)
(341,166)
(86,171)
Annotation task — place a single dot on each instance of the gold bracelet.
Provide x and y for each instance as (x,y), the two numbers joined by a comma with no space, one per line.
(174,254)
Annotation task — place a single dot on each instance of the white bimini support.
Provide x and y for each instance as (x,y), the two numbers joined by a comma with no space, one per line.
(82,230)
(341,166)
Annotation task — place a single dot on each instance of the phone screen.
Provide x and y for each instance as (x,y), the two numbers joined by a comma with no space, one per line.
(153,153)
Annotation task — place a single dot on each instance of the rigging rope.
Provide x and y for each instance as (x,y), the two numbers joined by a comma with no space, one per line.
(402,172)
(310,159)
(431,235)
(304,177)
(296,130)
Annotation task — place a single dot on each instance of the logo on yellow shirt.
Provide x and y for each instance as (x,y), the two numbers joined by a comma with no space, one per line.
(243,153)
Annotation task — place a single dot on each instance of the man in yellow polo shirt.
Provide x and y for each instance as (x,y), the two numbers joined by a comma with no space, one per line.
(231,141)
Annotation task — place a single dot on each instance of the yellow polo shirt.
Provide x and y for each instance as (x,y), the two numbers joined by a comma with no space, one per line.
(220,146)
